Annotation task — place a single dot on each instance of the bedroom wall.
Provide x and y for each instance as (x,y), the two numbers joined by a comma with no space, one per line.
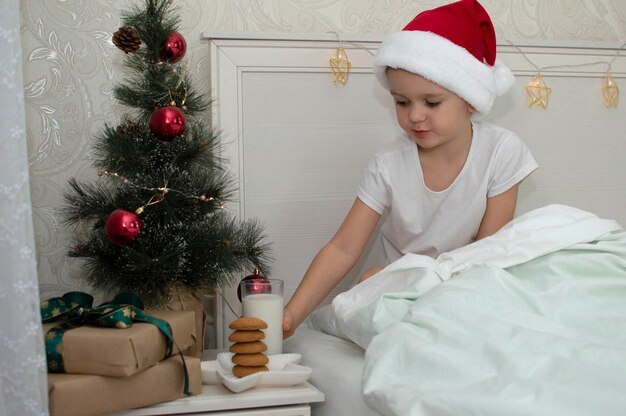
(70,66)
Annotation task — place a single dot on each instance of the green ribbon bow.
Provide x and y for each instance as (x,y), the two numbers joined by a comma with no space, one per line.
(74,309)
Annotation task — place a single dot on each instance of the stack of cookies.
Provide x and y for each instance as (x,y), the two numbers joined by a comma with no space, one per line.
(248,346)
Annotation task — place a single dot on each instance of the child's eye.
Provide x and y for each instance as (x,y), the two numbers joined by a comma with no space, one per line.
(402,103)
(432,103)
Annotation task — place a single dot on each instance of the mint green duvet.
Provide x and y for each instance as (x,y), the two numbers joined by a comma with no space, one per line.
(531,321)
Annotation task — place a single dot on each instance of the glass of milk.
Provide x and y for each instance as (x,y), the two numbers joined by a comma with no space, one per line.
(263,299)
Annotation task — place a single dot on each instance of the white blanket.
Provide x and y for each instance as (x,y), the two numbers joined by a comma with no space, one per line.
(531,320)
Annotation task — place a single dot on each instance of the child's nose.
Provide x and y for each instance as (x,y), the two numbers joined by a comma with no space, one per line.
(417,113)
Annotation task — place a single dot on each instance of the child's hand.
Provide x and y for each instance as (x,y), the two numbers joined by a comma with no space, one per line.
(289,326)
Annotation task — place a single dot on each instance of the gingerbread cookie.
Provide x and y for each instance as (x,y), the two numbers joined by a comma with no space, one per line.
(246,336)
(248,324)
(250,360)
(242,371)
(248,347)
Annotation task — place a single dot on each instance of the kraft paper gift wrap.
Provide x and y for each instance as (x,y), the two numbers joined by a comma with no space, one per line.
(84,394)
(124,352)
(189,300)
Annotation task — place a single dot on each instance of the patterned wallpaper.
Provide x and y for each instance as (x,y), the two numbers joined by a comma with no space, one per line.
(70,66)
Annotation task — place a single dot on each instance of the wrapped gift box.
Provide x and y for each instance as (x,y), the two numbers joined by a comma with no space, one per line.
(84,394)
(124,352)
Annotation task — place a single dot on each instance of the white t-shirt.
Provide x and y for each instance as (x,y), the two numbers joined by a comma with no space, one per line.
(421,221)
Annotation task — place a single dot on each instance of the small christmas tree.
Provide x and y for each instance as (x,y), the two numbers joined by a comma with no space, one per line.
(154,221)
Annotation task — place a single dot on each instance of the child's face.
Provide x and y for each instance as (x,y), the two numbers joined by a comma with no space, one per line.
(431,115)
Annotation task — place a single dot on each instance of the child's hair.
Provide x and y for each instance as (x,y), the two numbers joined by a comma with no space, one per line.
(453,46)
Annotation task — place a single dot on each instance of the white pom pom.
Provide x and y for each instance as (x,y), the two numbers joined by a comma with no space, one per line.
(503,77)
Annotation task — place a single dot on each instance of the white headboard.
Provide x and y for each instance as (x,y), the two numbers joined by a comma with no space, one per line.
(298,143)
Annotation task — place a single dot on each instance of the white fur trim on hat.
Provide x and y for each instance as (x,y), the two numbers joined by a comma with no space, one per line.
(446,64)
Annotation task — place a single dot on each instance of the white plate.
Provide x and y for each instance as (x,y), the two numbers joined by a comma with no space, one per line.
(283,371)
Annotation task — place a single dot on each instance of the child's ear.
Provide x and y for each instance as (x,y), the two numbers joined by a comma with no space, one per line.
(470,109)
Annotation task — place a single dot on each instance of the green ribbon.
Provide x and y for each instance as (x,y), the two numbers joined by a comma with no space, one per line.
(74,309)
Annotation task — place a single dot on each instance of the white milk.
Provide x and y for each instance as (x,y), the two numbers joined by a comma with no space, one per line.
(268,307)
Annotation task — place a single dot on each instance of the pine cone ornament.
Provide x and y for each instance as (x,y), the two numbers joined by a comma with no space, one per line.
(129,128)
(127,39)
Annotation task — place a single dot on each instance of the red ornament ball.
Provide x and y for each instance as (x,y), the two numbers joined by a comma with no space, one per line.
(122,227)
(174,48)
(255,278)
(167,122)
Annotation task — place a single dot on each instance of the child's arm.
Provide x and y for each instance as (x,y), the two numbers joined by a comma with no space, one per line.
(500,210)
(331,264)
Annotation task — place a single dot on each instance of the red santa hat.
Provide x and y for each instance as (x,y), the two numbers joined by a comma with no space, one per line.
(453,46)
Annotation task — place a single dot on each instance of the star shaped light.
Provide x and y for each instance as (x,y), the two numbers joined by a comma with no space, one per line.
(340,66)
(538,92)
(610,92)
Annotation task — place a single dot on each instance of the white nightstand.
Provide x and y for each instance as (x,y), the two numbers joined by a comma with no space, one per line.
(217,400)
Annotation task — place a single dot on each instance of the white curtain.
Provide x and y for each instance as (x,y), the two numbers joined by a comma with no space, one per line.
(23,388)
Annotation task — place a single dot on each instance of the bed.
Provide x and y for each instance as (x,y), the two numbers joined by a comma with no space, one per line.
(298,144)
(338,365)
(531,320)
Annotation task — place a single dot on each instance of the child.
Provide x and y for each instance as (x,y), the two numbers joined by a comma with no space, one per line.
(450,180)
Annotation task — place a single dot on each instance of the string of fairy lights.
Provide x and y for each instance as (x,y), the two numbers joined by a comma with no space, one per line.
(539,92)
(159,192)
(537,89)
